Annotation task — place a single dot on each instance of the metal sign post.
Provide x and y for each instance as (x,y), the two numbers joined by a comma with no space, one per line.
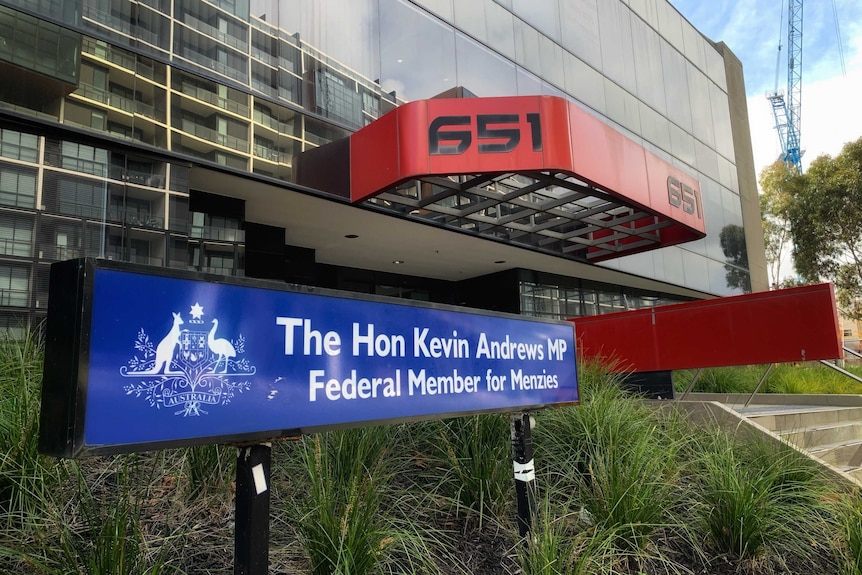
(251,537)
(525,472)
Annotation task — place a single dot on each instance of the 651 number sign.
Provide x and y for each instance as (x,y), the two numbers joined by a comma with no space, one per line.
(681,195)
(503,129)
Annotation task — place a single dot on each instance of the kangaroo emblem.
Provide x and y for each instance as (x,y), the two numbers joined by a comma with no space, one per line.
(165,349)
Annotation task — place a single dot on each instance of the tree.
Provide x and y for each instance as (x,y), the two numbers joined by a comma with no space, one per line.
(735,249)
(777,182)
(825,214)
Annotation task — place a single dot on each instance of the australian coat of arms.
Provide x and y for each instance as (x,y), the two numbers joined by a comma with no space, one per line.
(190,367)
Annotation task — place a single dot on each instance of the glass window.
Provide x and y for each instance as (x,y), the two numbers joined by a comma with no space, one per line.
(14,286)
(470,17)
(81,198)
(670,24)
(585,83)
(615,35)
(442,8)
(500,28)
(544,15)
(676,87)
(721,121)
(682,144)
(695,271)
(655,127)
(701,109)
(409,65)
(715,67)
(16,235)
(17,187)
(347,32)
(528,84)
(580,26)
(527,47)
(713,214)
(694,47)
(707,160)
(551,55)
(19,146)
(483,72)
(648,69)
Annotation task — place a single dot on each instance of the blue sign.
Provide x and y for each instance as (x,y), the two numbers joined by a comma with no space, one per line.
(173,361)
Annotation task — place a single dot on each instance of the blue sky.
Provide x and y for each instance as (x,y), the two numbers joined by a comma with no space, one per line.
(831,101)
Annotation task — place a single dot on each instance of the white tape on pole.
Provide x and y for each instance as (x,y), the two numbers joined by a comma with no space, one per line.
(525,471)
(259,478)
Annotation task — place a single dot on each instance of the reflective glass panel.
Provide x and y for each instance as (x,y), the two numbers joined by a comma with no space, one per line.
(483,72)
(417,53)
(544,15)
(579,21)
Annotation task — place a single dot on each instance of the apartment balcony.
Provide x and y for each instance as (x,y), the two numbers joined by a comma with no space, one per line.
(202,94)
(273,124)
(213,136)
(136,259)
(267,153)
(18,248)
(13,297)
(60,253)
(207,62)
(119,102)
(219,271)
(141,220)
(213,32)
(217,234)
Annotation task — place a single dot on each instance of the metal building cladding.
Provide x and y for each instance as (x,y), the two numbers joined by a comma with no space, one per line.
(554,158)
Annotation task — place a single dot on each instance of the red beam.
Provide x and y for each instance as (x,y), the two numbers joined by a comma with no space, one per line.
(796,324)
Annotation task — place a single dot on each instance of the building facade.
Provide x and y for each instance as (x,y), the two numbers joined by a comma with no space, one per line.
(167,132)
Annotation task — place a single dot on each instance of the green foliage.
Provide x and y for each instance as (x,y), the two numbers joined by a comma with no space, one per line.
(109,539)
(825,214)
(476,453)
(849,513)
(209,469)
(340,526)
(756,497)
(809,378)
(26,478)
(559,547)
(735,249)
(622,463)
(776,184)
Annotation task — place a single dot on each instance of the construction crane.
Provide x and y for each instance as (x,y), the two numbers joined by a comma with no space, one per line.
(787,112)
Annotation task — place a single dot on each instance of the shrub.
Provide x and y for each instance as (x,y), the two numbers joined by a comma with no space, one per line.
(757,497)
(340,526)
(475,453)
(620,460)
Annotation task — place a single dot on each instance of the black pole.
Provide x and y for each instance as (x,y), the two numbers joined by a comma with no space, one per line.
(525,475)
(251,537)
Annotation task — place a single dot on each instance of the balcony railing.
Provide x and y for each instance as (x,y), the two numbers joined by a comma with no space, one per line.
(13,297)
(120,102)
(214,99)
(12,247)
(219,234)
(189,53)
(140,219)
(213,136)
(272,123)
(213,32)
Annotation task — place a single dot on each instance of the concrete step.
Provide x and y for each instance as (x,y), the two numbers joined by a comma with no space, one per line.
(792,418)
(853,471)
(840,454)
(820,435)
